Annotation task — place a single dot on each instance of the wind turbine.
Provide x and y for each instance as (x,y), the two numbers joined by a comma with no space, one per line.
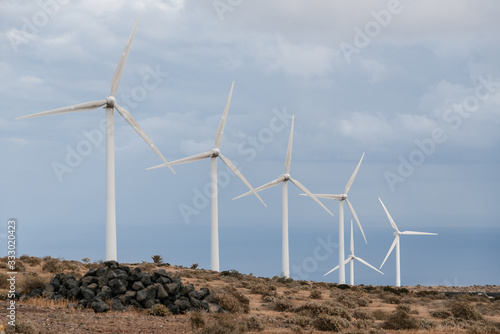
(397,233)
(213,154)
(351,259)
(285,265)
(109,105)
(341,198)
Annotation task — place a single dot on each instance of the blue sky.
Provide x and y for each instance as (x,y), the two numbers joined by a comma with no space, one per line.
(414,85)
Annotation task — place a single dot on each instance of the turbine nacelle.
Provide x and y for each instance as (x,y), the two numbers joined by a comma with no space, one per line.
(110,102)
(215,153)
(287,177)
(343,197)
(396,233)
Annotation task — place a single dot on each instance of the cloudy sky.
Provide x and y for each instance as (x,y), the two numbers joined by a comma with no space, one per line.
(415,85)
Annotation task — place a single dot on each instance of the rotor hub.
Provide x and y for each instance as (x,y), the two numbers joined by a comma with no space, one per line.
(287,177)
(344,197)
(111,101)
(396,234)
(215,152)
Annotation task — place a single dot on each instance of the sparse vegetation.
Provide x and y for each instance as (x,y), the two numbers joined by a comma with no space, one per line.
(31,281)
(194,266)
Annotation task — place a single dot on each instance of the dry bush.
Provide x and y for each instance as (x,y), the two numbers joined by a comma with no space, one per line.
(223,324)
(391,299)
(400,320)
(263,289)
(159,310)
(377,331)
(325,322)
(197,321)
(316,294)
(4,284)
(440,314)
(380,315)
(364,323)
(254,323)
(20,266)
(231,299)
(53,266)
(281,304)
(32,281)
(363,314)
(464,310)
(22,326)
(300,320)
(314,309)
(147,266)
(31,260)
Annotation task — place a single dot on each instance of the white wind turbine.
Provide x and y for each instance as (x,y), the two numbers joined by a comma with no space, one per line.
(110,104)
(351,259)
(397,234)
(213,154)
(285,264)
(341,198)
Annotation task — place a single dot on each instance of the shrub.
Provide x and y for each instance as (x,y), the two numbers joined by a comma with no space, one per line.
(314,309)
(380,315)
(362,314)
(86,260)
(231,299)
(53,266)
(441,314)
(4,284)
(31,260)
(231,273)
(283,279)
(282,305)
(465,311)
(403,308)
(146,266)
(325,322)
(399,320)
(159,310)
(264,290)
(157,259)
(344,286)
(347,300)
(300,320)
(392,299)
(224,324)
(315,294)
(194,265)
(197,321)
(31,281)
(20,266)
(253,323)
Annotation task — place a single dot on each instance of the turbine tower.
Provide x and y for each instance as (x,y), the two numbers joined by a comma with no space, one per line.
(397,234)
(110,105)
(351,259)
(285,261)
(341,198)
(213,154)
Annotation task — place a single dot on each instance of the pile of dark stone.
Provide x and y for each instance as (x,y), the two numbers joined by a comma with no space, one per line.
(122,287)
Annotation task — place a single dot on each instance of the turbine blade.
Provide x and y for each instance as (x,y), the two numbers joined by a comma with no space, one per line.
(196,157)
(351,180)
(130,120)
(337,267)
(393,224)
(356,217)
(242,178)
(304,189)
(288,159)
(367,264)
(417,233)
(220,130)
(77,107)
(390,250)
(265,186)
(115,82)
(352,240)
(330,196)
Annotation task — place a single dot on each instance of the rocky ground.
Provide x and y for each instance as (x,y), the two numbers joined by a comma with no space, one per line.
(247,303)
